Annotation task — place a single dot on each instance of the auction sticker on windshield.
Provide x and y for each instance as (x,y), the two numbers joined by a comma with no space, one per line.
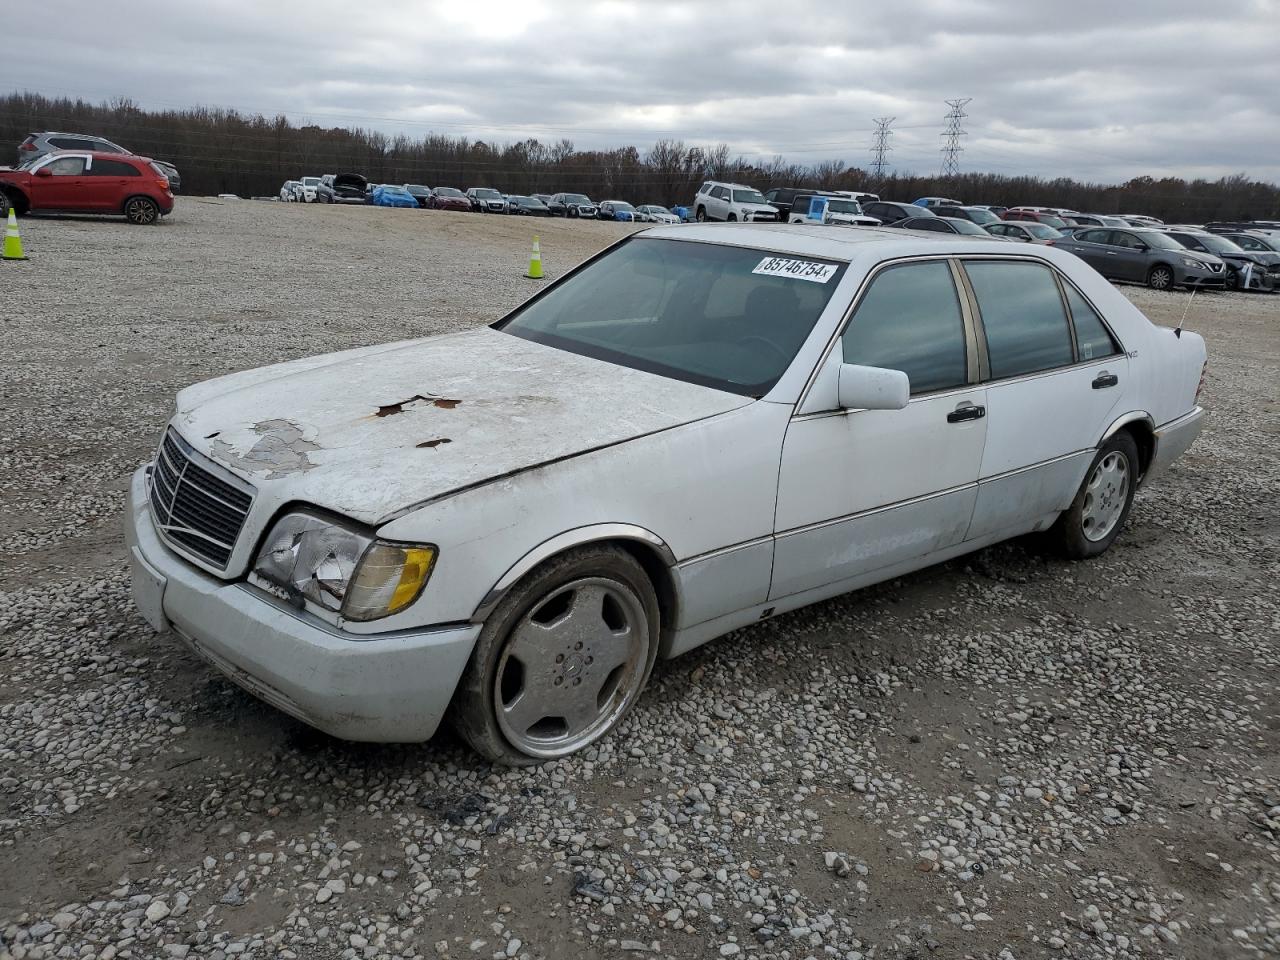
(796,269)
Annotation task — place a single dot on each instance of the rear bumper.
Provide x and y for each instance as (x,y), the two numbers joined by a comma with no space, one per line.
(1172,441)
(393,688)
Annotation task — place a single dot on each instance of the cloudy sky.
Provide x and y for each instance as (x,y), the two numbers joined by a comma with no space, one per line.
(1095,89)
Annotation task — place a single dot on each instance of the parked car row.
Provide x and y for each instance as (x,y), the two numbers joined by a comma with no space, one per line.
(353,188)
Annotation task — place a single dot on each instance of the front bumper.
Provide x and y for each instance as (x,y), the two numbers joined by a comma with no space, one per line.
(1172,441)
(1200,277)
(393,688)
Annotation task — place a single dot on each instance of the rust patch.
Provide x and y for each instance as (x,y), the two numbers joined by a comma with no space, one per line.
(391,409)
(433,443)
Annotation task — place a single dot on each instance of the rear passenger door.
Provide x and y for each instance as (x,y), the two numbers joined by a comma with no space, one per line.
(1054,374)
(108,182)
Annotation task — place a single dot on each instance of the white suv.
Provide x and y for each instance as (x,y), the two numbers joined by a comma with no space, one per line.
(732,202)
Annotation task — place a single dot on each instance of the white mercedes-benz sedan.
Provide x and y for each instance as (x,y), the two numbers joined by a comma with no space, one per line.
(696,429)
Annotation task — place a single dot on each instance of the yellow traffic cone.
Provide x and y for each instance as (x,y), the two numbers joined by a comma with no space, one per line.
(13,242)
(535,262)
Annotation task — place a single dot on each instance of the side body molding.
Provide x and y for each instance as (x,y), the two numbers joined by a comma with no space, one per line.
(593,533)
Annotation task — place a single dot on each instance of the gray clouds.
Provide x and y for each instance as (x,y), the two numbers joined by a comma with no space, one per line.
(1091,89)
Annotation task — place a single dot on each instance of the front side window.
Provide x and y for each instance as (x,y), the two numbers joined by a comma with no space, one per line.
(1092,336)
(1094,236)
(910,320)
(67,167)
(730,318)
(1022,315)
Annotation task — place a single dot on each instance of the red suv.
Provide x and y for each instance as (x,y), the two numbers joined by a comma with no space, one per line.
(1038,216)
(89,182)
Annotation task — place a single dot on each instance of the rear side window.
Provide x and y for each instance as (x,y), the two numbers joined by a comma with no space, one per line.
(1092,336)
(72,143)
(910,320)
(1022,315)
(1094,236)
(112,168)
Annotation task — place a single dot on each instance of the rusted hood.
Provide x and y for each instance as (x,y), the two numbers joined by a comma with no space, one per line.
(369,432)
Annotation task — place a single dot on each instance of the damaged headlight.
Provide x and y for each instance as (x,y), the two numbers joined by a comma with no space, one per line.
(311,557)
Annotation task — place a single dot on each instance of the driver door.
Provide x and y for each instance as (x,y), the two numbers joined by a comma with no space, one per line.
(863,490)
(65,189)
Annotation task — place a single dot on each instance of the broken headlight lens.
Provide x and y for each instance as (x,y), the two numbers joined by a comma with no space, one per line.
(310,557)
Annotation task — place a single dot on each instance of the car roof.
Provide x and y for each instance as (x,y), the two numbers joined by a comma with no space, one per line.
(816,240)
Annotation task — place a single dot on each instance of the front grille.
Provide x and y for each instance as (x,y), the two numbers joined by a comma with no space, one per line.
(195,509)
(1215,267)
(763,217)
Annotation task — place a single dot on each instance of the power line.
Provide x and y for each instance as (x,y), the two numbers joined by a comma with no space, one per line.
(951,135)
(881,146)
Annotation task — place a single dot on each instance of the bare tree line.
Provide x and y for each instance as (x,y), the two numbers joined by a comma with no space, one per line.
(224,151)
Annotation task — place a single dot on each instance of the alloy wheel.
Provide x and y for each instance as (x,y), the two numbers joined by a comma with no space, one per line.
(571,666)
(1105,496)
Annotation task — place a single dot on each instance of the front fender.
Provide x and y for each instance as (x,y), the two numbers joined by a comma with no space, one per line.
(593,533)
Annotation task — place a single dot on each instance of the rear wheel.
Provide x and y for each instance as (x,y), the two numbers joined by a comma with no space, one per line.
(1160,278)
(1093,521)
(141,211)
(561,660)
(733,218)
(701,215)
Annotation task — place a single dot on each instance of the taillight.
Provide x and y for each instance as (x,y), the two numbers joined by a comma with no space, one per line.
(1204,370)
(27,145)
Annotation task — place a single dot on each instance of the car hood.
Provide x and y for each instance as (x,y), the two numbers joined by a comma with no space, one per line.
(371,432)
(1253,256)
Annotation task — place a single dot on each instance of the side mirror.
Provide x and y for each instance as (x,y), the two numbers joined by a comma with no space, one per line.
(872,388)
(44,172)
(1142,248)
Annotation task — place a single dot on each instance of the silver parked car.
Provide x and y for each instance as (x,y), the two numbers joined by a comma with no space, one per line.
(697,429)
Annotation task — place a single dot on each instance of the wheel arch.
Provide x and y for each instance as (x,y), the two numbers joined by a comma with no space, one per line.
(648,549)
(1142,427)
(20,202)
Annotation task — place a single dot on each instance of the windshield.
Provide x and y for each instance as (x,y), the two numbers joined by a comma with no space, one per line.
(730,318)
(844,206)
(575,198)
(447,192)
(416,188)
(965,226)
(311,181)
(622,205)
(485,193)
(1041,231)
(982,216)
(749,196)
(654,208)
(1219,244)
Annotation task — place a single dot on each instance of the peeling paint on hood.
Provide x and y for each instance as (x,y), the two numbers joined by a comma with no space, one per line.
(353,432)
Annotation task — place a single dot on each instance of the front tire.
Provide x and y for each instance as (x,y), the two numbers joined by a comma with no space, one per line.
(1160,277)
(701,215)
(561,660)
(733,218)
(1093,521)
(141,211)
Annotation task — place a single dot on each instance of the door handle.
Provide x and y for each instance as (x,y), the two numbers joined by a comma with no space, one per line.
(1111,253)
(1105,379)
(965,412)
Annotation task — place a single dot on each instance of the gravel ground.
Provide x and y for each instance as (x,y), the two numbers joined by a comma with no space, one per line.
(1008,756)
